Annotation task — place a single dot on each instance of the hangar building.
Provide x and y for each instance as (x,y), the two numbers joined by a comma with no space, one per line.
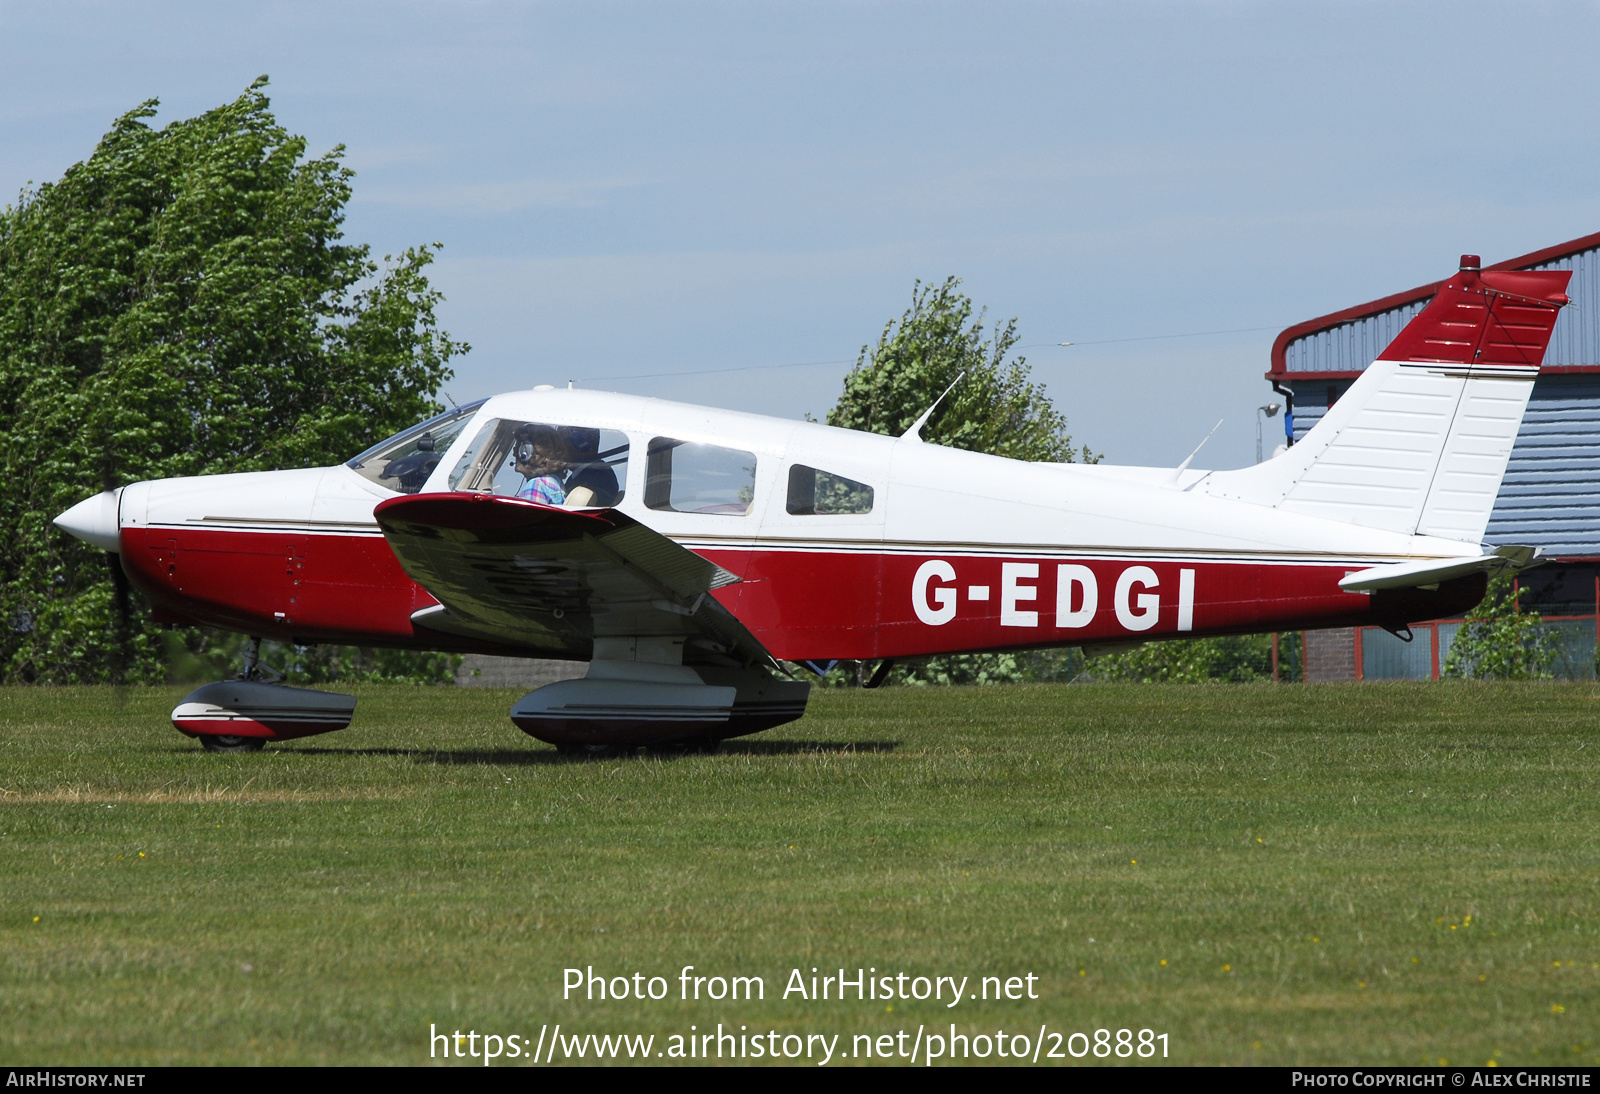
(1550,497)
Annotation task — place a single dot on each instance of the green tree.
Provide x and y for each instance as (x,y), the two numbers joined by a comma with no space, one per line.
(181,303)
(195,655)
(995,409)
(1058,666)
(998,410)
(1500,641)
(1232,659)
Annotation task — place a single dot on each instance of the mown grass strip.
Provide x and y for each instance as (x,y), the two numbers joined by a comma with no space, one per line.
(1376,874)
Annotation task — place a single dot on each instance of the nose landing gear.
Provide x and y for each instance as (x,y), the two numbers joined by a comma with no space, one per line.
(230,742)
(243,715)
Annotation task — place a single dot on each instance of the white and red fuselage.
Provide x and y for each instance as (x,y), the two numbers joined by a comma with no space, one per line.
(594,526)
(960,551)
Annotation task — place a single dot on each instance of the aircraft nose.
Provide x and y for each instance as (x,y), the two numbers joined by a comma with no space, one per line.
(94,520)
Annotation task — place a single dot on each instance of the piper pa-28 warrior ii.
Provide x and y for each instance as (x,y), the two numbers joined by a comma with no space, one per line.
(685,553)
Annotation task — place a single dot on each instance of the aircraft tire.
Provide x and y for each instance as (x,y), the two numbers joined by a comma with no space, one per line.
(593,752)
(220,742)
(703,746)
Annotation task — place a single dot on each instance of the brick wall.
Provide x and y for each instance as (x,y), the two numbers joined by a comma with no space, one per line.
(1330,655)
(482,671)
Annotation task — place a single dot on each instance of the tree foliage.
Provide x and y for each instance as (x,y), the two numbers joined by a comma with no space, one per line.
(1500,641)
(1060,666)
(995,409)
(1228,659)
(196,655)
(182,303)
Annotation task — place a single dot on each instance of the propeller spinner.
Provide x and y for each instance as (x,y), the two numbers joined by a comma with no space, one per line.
(94,520)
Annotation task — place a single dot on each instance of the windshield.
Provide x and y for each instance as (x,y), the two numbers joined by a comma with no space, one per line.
(403,462)
(549,462)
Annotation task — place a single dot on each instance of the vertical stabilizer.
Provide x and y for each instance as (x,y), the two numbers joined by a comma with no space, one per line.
(1419,443)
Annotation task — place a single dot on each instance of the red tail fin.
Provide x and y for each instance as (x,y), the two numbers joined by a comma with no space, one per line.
(1480,318)
(1419,443)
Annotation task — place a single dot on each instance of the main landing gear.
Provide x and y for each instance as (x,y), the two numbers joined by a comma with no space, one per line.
(622,705)
(704,746)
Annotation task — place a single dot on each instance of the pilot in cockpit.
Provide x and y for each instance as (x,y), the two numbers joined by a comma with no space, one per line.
(538,454)
(590,481)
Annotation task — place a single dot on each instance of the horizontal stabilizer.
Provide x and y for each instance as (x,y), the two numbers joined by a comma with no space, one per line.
(1419,575)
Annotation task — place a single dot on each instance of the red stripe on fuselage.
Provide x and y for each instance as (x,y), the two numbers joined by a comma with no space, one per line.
(819,605)
(801,604)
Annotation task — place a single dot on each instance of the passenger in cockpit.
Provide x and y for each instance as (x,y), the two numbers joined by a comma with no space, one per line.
(538,454)
(590,480)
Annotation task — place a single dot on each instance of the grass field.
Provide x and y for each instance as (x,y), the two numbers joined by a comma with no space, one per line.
(1301,874)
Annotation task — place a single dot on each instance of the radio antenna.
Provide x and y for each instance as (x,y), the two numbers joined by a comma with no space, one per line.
(915,432)
(1178,471)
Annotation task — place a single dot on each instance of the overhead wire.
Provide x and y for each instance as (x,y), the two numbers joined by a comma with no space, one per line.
(851,361)
(1154,337)
(713,371)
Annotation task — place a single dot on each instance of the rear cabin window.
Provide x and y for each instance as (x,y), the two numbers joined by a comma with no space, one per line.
(683,477)
(403,462)
(574,466)
(814,493)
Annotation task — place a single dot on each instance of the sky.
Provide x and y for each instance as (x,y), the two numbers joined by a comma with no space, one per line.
(721,203)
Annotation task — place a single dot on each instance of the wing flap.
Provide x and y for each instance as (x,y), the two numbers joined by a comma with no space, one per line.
(680,570)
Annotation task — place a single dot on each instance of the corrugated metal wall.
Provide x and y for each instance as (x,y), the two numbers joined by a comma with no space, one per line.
(1311,402)
(1576,339)
(1350,347)
(1385,657)
(1550,496)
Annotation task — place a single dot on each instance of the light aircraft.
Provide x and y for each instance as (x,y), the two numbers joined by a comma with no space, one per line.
(686,552)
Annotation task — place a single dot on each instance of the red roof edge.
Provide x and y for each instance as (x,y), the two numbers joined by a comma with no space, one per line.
(1280,345)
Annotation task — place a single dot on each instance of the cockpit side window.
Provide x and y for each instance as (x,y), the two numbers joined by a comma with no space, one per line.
(822,493)
(403,462)
(574,466)
(683,477)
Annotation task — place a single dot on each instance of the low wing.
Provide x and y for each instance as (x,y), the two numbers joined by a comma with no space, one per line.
(556,580)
